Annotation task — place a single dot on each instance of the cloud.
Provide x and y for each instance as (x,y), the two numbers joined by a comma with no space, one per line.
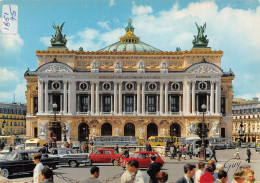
(141,10)
(104,25)
(7,75)
(10,42)
(111,3)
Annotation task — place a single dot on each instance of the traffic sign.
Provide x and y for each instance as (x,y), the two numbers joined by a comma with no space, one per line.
(54,137)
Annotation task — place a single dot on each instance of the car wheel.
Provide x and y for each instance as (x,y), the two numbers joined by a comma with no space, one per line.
(73,164)
(115,163)
(88,163)
(5,173)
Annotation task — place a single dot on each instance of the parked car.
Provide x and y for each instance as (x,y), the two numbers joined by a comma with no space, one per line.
(6,149)
(231,145)
(105,155)
(257,149)
(20,162)
(68,157)
(143,158)
(19,147)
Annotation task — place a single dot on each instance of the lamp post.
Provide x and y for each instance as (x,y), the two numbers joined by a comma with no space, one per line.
(52,126)
(241,134)
(203,134)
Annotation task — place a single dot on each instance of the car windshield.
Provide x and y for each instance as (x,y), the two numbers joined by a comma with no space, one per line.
(65,151)
(10,156)
(30,144)
(135,155)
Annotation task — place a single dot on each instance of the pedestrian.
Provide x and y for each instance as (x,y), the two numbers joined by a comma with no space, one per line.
(43,150)
(116,148)
(95,172)
(179,153)
(199,172)
(219,167)
(250,176)
(183,152)
(207,177)
(190,150)
(38,168)
(47,175)
(238,177)
(153,169)
(248,152)
(222,177)
(4,179)
(67,145)
(84,147)
(148,147)
(189,172)
(213,153)
(172,151)
(237,153)
(132,174)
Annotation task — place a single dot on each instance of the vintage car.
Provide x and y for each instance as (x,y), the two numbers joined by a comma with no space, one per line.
(68,157)
(143,158)
(20,162)
(6,149)
(105,155)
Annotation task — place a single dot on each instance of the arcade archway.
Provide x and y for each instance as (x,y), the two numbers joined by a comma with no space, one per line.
(83,132)
(129,129)
(175,130)
(152,130)
(106,129)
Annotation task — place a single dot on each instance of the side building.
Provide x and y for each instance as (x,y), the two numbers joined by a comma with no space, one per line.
(12,119)
(246,113)
(128,88)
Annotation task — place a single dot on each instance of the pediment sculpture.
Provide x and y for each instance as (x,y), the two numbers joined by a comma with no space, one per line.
(204,68)
(55,67)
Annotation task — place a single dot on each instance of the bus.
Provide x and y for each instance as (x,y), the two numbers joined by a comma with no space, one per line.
(112,140)
(220,143)
(160,140)
(33,143)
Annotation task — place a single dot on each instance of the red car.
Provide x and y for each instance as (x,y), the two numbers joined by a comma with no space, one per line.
(104,155)
(143,158)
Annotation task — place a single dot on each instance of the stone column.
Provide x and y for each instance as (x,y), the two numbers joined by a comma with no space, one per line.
(134,110)
(180,103)
(115,98)
(193,97)
(157,103)
(138,92)
(212,97)
(92,93)
(112,104)
(65,98)
(207,102)
(97,97)
(166,98)
(120,98)
(70,99)
(184,103)
(161,98)
(217,98)
(61,103)
(40,96)
(143,98)
(78,103)
(46,97)
(188,97)
(73,97)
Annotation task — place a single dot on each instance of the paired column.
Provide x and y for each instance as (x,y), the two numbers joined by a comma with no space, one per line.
(188,97)
(120,98)
(138,98)
(193,97)
(184,103)
(97,97)
(161,98)
(143,98)
(92,91)
(115,98)
(65,97)
(40,96)
(211,97)
(70,99)
(46,96)
(166,98)
(217,99)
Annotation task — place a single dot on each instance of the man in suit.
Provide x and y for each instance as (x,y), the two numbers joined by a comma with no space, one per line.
(213,153)
(222,177)
(189,172)
(148,147)
(248,152)
(153,169)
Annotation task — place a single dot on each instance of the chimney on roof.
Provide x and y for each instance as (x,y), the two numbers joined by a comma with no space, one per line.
(255,99)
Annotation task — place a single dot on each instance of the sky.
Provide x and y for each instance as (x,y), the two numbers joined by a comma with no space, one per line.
(232,26)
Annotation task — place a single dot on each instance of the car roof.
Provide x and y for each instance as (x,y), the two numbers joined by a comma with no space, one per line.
(59,148)
(105,149)
(146,152)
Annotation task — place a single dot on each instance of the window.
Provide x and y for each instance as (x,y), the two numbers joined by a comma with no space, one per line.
(11,123)
(129,103)
(151,103)
(35,105)
(223,106)
(107,152)
(175,104)
(83,103)
(107,103)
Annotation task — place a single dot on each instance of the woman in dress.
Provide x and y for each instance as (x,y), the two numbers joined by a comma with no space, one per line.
(237,153)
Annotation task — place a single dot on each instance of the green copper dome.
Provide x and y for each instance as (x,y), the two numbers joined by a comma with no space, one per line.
(130,42)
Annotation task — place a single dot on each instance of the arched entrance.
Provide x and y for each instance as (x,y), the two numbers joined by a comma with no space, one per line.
(129,129)
(152,130)
(106,129)
(175,130)
(56,131)
(83,132)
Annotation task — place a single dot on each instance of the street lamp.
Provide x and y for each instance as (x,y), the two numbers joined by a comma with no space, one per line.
(241,134)
(203,134)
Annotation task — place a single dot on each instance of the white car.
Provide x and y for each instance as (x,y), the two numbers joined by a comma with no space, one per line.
(6,149)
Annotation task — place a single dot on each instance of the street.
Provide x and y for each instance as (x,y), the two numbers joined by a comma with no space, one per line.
(173,167)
